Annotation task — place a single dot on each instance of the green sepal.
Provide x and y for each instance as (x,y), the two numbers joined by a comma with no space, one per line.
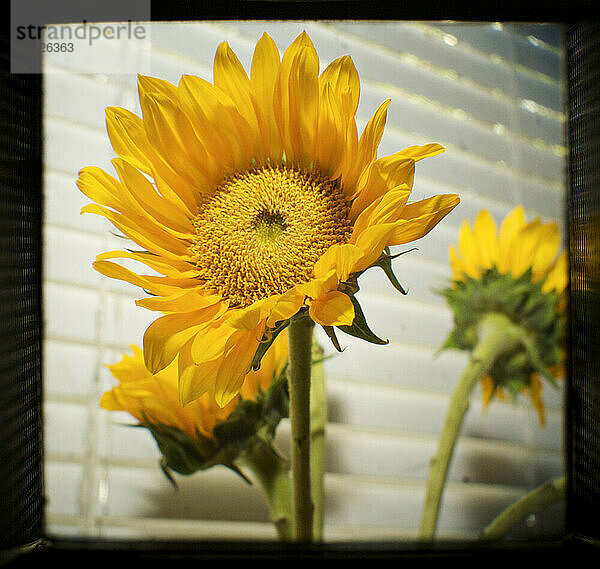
(537,362)
(330,331)
(276,402)
(251,416)
(181,452)
(266,341)
(536,313)
(233,432)
(359,327)
(164,466)
(451,342)
(385,263)
(260,416)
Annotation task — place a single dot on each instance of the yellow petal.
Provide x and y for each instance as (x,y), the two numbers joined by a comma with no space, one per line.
(331,135)
(184,163)
(422,151)
(509,229)
(343,78)
(385,209)
(210,343)
(154,85)
(236,363)
(115,271)
(301,41)
(546,251)
(458,267)
(524,247)
(166,335)
(249,318)
(317,287)
(332,309)
(367,145)
(194,380)
(487,391)
(182,301)
(419,218)
(558,276)
(303,104)
(121,197)
(289,98)
(372,241)
(102,188)
(263,75)
(152,239)
(179,272)
(128,138)
(535,392)
(217,122)
(109,402)
(484,231)
(148,203)
(341,257)
(288,304)
(231,78)
(468,251)
(216,361)
(382,176)
(271,365)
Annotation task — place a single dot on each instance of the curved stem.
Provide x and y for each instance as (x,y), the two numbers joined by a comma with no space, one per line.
(272,472)
(496,334)
(533,502)
(300,346)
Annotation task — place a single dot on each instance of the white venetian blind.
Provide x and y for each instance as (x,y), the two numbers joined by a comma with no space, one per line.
(492,94)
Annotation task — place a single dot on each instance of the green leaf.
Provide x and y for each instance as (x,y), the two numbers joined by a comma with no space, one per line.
(359,327)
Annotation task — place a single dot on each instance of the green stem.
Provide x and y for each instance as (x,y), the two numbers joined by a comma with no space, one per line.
(272,472)
(496,335)
(533,502)
(318,421)
(300,346)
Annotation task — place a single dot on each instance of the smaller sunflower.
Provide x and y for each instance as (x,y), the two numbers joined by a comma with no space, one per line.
(517,271)
(202,433)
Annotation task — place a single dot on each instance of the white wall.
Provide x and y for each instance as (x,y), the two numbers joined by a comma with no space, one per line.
(493,96)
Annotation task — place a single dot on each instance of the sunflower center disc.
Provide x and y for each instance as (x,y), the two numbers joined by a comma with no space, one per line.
(270,225)
(262,231)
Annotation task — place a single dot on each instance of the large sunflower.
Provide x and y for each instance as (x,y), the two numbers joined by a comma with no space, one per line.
(519,271)
(252,198)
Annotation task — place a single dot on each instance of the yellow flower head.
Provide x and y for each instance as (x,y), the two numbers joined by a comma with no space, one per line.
(187,435)
(252,197)
(518,247)
(517,270)
(154,399)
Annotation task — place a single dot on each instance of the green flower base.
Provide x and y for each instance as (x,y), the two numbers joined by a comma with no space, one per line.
(537,313)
